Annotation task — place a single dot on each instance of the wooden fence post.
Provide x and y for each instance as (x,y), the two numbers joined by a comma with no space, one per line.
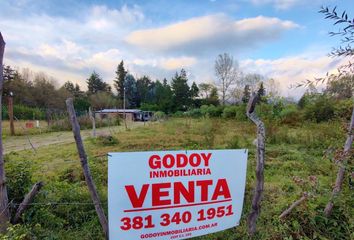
(27,201)
(84,164)
(4,201)
(92,117)
(341,171)
(258,191)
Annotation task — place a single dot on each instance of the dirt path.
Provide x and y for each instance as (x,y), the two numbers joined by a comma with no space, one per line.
(19,143)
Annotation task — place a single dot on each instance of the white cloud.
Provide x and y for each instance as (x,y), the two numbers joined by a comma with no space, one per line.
(289,71)
(208,33)
(287,4)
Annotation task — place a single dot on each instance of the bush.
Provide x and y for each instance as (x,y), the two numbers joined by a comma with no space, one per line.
(322,109)
(106,140)
(24,113)
(178,114)
(229,112)
(194,113)
(290,115)
(211,110)
(158,116)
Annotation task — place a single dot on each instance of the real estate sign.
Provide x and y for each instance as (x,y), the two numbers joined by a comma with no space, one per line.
(174,194)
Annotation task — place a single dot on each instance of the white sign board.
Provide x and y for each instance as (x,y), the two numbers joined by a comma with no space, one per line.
(174,194)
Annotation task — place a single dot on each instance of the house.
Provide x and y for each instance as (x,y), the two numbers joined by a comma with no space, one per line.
(129,114)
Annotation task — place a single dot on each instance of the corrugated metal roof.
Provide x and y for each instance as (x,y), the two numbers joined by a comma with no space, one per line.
(119,111)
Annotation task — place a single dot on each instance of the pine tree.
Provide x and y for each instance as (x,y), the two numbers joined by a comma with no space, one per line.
(181,91)
(194,90)
(261,92)
(131,93)
(121,73)
(95,84)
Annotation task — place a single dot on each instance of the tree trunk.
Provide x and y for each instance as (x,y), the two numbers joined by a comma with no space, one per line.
(84,164)
(258,191)
(341,171)
(27,201)
(4,201)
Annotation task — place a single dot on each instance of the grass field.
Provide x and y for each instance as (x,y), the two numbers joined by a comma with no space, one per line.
(20,128)
(295,163)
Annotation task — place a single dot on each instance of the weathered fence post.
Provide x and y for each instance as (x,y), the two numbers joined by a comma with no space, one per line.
(27,201)
(258,191)
(304,197)
(341,171)
(84,164)
(4,201)
(92,117)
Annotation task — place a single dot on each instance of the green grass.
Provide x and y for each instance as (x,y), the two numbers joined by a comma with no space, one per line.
(292,155)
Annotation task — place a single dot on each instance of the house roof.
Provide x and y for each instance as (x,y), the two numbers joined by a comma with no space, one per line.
(114,110)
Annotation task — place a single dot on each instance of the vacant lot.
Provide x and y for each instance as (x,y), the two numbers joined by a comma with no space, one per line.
(298,159)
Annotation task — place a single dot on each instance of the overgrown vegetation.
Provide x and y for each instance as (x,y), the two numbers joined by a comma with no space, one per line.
(295,162)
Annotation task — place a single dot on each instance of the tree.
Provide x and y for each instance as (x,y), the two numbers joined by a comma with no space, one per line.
(213,97)
(144,87)
(252,80)
(228,74)
(163,96)
(205,89)
(73,89)
(131,93)
(341,88)
(194,90)
(119,80)
(102,100)
(346,70)
(261,92)
(95,84)
(180,91)
(246,94)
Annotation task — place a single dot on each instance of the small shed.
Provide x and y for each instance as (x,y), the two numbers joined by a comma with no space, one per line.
(129,114)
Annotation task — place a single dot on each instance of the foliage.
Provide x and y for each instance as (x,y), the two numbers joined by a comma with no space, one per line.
(321,109)
(119,80)
(293,153)
(228,73)
(181,96)
(24,113)
(95,84)
(105,140)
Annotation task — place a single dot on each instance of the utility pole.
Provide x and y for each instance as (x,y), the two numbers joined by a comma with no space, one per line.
(125,117)
(11,113)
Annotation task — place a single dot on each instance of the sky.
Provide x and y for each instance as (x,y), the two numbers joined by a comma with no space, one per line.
(69,39)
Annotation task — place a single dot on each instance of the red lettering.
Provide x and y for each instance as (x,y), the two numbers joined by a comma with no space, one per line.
(221,189)
(197,158)
(182,160)
(157,193)
(155,162)
(206,158)
(204,188)
(179,190)
(136,201)
(168,163)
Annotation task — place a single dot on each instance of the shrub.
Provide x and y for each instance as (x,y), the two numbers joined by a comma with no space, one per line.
(24,113)
(211,110)
(194,113)
(158,116)
(322,109)
(229,112)
(178,114)
(106,140)
(290,115)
